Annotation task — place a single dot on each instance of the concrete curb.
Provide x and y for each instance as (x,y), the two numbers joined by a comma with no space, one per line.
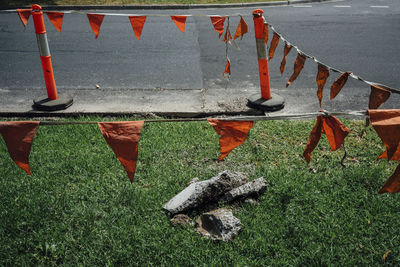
(121,102)
(165,7)
(38,114)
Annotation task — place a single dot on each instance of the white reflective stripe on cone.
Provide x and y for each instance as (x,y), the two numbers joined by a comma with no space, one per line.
(43,45)
(261,49)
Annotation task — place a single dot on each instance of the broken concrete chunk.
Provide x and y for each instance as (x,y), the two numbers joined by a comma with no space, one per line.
(181,220)
(218,224)
(251,189)
(199,193)
(186,199)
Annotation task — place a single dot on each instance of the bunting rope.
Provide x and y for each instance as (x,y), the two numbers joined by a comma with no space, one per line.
(267,117)
(124,14)
(397,91)
(227,38)
(123,136)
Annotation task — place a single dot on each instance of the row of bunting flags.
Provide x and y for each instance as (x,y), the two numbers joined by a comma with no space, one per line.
(379,93)
(123,138)
(137,22)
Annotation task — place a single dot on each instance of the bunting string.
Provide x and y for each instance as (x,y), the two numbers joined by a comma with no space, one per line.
(227,38)
(352,75)
(123,136)
(266,117)
(125,14)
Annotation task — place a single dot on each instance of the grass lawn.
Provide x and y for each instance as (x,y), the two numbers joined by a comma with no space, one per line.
(79,207)
(123,2)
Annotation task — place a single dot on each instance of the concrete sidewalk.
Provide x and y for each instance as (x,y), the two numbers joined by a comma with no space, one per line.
(180,103)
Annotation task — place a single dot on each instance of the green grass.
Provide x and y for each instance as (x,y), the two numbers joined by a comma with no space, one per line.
(79,207)
(11,3)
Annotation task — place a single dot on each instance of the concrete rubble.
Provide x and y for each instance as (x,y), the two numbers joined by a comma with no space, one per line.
(251,189)
(199,193)
(218,224)
(225,187)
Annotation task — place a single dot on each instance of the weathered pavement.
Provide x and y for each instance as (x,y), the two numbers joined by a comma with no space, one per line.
(171,73)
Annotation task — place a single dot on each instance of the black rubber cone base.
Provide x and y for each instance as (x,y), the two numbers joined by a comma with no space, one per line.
(274,104)
(46,104)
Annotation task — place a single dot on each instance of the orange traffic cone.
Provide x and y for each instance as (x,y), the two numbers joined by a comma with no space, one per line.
(268,101)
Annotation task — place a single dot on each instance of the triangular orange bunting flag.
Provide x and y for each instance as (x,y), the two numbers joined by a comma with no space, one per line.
(218,23)
(24,15)
(137,23)
(386,123)
(313,139)
(392,185)
(274,44)
(286,51)
(123,138)
(18,136)
(227,68)
(378,96)
(180,22)
(298,66)
(56,18)
(241,29)
(322,76)
(232,134)
(95,21)
(334,130)
(338,84)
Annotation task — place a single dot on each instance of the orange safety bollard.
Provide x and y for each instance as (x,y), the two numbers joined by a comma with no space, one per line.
(268,100)
(44,51)
(261,53)
(52,101)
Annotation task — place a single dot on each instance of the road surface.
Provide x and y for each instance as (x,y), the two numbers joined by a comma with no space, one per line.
(361,36)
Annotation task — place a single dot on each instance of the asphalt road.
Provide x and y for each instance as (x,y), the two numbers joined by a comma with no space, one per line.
(352,35)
